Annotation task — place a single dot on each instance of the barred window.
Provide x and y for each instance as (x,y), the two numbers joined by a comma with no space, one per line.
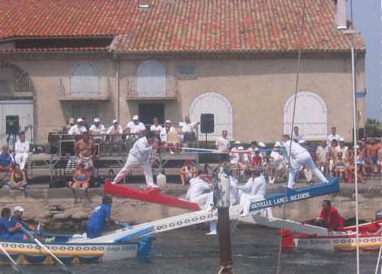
(89,112)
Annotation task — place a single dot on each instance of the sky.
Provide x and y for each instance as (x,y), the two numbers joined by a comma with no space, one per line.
(367,19)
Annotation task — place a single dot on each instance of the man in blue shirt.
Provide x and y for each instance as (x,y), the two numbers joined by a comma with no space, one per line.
(99,217)
(17,218)
(7,231)
(6,159)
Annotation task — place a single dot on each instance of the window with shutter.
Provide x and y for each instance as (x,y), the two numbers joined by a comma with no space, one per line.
(84,80)
(151,79)
(310,116)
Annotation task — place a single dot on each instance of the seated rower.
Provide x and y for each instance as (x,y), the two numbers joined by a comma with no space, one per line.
(99,217)
(7,231)
(329,217)
(257,193)
(199,189)
(17,221)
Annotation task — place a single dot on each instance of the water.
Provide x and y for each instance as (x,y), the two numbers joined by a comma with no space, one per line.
(254,249)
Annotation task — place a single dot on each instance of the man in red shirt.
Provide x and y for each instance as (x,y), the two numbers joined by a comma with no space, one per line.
(329,217)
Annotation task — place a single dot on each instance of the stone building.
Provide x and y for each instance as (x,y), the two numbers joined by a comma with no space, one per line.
(236,59)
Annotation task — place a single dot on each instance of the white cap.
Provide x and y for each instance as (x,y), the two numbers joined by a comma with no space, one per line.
(301,142)
(96,120)
(261,144)
(237,142)
(79,120)
(277,144)
(135,117)
(18,208)
(115,121)
(168,121)
(342,139)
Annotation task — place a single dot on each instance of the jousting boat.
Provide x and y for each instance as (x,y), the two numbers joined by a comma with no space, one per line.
(28,252)
(369,239)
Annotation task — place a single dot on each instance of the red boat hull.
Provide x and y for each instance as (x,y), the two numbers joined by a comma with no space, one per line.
(150,195)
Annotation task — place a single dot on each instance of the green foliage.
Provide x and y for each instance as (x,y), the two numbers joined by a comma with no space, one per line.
(373,128)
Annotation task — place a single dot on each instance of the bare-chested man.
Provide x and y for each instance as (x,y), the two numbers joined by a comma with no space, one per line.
(85,151)
(372,151)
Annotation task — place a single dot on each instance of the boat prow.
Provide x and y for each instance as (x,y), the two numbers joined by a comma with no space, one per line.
(149,195)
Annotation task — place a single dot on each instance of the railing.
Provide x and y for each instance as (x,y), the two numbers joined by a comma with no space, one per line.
(170,92)
(65,93)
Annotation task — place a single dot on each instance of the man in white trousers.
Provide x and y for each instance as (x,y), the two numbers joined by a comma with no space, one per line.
(22,150)
(299,156)
(257,193)
(139,156)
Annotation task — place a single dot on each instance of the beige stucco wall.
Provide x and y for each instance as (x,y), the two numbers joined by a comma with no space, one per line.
(257,90)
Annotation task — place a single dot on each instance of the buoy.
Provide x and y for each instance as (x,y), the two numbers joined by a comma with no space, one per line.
(161,181)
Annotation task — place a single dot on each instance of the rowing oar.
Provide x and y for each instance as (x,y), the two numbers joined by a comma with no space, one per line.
(15,266)
(62,265)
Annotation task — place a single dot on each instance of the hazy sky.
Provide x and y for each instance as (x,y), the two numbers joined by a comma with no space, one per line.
(367,19)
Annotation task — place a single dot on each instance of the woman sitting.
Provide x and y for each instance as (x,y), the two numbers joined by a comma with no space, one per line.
(81,177)
(17,179)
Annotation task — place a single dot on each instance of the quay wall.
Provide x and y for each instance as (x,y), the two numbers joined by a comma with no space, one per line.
(56,208)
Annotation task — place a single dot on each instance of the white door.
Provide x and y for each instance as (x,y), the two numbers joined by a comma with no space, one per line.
(310,116)
(22,108)
(212,102)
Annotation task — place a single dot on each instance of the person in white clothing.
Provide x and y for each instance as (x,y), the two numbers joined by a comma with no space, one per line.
(78,128)
(96,130)
(188,131)
(156,127)
(22,150)
(115,132)
(134,127)
(139,156)
(257,193)
(333,135)
(199,189)
(297,136)
(298,156)
(223,144)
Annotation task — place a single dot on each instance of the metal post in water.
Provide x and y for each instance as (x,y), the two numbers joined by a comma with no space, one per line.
(222,202)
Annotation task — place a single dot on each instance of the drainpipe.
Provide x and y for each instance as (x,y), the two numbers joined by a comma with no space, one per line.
(116,97)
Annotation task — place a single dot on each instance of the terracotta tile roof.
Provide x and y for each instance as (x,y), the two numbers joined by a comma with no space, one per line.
(181,25)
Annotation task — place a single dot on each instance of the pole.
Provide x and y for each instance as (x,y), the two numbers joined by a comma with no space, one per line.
(221,193)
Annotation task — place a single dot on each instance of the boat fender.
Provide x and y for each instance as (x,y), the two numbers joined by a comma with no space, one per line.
(144,246)
(161,181)
(378,214)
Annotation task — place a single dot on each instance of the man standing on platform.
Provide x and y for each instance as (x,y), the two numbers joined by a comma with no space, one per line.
(139,156)
(297,157)
(85,151)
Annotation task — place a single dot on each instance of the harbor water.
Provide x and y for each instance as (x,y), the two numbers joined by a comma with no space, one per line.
(190,251)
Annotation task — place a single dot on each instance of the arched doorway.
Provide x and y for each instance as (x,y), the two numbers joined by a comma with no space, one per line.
(151,79)
(311,115)
(213,102)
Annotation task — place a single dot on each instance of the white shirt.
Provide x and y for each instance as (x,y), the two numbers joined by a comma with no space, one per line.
(97,130)
(331,137)
(135,128)
(163,133)
(156,129)
(22,147)
(234,155)
(187,127)
(112,130)
(222,144)
(295,150)
(298,136)
(259,186)
(76,130)
(141,150)
(248,185)
(197,187)
(321,153)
